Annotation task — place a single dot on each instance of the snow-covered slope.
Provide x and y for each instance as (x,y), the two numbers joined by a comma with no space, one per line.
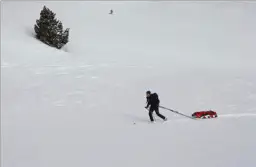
(77,107)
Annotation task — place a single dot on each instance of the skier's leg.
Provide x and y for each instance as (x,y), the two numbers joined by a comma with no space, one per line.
(158,114)
(151,114)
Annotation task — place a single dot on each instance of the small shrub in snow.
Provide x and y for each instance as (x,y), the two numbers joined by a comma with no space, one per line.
(49,30)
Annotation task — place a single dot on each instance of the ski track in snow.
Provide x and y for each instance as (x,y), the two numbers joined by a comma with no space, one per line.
(187,120)
(237,115)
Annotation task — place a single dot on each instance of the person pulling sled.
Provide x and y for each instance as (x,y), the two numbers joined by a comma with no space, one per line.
(111,11)
(153,105)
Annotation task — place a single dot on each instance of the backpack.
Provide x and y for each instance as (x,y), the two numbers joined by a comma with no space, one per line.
(154,98)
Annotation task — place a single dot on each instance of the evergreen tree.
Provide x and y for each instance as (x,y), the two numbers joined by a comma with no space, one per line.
(49,30)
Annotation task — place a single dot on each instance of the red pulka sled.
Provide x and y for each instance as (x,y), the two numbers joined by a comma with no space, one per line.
(205,114)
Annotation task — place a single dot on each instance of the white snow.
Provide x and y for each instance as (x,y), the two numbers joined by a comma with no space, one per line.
(77,106)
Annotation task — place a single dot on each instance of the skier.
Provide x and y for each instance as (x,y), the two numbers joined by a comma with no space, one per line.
(111,11)
(153,102)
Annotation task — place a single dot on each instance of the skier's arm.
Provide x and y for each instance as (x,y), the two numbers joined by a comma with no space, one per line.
(148,103)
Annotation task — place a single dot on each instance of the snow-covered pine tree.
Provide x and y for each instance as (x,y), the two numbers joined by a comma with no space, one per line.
(49,30)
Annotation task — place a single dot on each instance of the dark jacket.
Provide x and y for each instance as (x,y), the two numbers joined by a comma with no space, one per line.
(152,102)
